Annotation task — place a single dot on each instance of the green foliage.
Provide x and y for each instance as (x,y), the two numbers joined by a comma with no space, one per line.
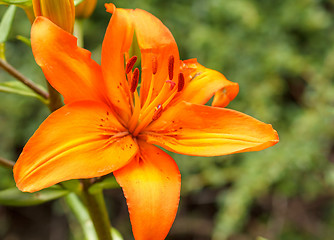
(19,88)
(6,23)
(20,3)
(106,183)
(14,197)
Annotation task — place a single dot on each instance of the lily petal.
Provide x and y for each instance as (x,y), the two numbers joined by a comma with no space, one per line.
(73,143)
(205,83)
(116,43)
(156,44)
(208,131)
(68,68)
(151,184)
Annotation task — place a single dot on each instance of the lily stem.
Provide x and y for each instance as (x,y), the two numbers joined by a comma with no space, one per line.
(19,76)
(78,32)
(97,210)
(6,163)
(82,215)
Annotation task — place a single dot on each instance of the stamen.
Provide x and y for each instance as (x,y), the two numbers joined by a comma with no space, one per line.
(154,65)
(172,84)
(171,67)
(130,64)
(180,84)
(135,115)
(157,112)
(134,80)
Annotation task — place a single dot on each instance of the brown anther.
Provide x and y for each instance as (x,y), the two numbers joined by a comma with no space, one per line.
(180,84)
(154,65)
(172,84)
(157,112)
(134,80)
(130,64)
(171,67)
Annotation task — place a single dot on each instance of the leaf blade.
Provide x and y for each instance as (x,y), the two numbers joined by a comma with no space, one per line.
(14,197)
(20,89)
(6,23)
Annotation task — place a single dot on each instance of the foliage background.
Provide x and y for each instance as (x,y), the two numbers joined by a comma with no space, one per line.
(281,53)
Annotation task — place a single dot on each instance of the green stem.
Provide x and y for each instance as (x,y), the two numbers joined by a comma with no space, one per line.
(97,210)
(78,32)
(82,215)
(6,163)
(19,76)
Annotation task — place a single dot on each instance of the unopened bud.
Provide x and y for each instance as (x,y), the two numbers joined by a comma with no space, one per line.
(60,12)
(85,9)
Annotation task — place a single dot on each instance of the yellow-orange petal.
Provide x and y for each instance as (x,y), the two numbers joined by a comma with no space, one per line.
(80,140)
(202,83)
(68,68)
(151,184)
(156,43)
(208,131)
(85,8)
(116,43)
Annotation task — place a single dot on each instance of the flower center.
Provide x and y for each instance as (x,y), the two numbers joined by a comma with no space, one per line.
(143,113)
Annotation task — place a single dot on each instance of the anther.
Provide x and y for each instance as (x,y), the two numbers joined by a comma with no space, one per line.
(172,84)
(154,65)
(180,84)
(134,80)
(157,112)
(170,67)
(130,64)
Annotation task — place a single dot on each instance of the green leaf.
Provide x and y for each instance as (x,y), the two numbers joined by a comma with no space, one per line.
(19,88)
(6,23)
(14,197)
(19,3)
(107,183)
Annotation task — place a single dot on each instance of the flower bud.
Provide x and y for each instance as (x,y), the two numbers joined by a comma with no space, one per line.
(60,12)
(85,9)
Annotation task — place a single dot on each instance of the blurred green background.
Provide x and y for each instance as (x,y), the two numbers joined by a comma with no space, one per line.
(281,53)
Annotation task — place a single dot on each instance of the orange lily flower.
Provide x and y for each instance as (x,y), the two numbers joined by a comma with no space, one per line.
(108,126)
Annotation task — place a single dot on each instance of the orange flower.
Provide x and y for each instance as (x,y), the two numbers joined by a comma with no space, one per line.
(107,126)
